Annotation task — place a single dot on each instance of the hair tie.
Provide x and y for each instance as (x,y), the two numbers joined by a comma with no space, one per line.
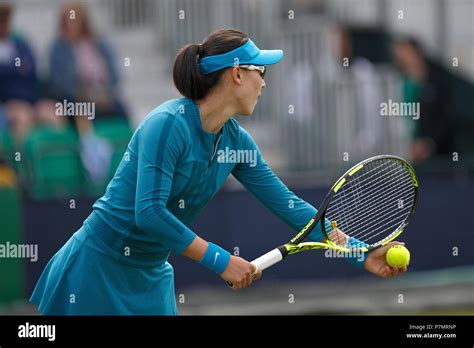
(199,51)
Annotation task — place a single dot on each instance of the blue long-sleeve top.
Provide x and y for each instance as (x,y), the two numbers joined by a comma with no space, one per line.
(170,171)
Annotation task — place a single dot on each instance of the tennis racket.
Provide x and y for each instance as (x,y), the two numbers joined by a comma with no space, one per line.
(367,207)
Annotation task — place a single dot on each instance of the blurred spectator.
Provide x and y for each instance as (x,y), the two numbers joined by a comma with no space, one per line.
(82,69)
(3,128)
(18,82)
(425,82)
(300,91)
(82,65)
(7,175)
(368,86)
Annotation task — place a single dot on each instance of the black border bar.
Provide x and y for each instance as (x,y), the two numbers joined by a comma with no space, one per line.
(288,330)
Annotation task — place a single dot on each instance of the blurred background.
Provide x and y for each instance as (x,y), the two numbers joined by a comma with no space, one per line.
(321,112)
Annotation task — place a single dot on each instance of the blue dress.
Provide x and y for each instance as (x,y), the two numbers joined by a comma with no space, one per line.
(117,262)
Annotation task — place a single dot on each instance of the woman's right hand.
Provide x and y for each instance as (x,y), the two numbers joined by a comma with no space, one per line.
(240,273)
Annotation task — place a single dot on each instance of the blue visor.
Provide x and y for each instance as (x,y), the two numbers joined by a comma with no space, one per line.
(248,53)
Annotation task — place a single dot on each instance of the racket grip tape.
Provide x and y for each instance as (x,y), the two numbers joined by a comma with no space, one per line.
(263,262)
(267,260)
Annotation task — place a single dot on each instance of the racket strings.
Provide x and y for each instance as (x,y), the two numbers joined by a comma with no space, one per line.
(367,234)
(378,222)
(359,189)
(374,202)
(358,186)
(368,210)
(384,217)
(377,197)
(338,237)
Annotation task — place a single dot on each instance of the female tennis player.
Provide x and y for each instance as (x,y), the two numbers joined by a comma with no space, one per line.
(116,263)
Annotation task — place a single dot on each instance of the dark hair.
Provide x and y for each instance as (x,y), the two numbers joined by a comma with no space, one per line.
(188,78)
(416,45)
(81,14)
(413,42)
(5,10)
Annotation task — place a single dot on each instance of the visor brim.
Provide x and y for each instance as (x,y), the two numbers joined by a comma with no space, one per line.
(267,57)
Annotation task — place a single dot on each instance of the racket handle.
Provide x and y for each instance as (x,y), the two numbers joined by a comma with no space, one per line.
(263,262)
(268,259)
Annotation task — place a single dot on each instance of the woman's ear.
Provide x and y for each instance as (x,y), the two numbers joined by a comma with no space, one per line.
(235,74)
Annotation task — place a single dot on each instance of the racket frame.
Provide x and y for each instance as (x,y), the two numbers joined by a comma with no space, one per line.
(296,244)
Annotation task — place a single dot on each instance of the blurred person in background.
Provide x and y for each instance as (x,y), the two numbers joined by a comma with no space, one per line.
(82,65)
(367,85)
(425,82)
(19,85)
(82,69)
(353,79)
(7,175)
(117,263)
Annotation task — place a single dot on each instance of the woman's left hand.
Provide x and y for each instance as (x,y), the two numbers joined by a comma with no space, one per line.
(376,262)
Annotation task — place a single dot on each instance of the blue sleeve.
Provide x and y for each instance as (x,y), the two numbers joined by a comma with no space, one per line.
(160,144)
(260,180)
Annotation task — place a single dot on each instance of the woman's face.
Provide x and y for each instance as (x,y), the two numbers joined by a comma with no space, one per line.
(406,57)
(249,90)
(73,23)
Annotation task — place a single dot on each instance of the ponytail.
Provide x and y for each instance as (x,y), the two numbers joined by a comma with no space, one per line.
(188,78)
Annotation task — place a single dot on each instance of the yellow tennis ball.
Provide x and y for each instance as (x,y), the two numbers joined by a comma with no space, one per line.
(398,256)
